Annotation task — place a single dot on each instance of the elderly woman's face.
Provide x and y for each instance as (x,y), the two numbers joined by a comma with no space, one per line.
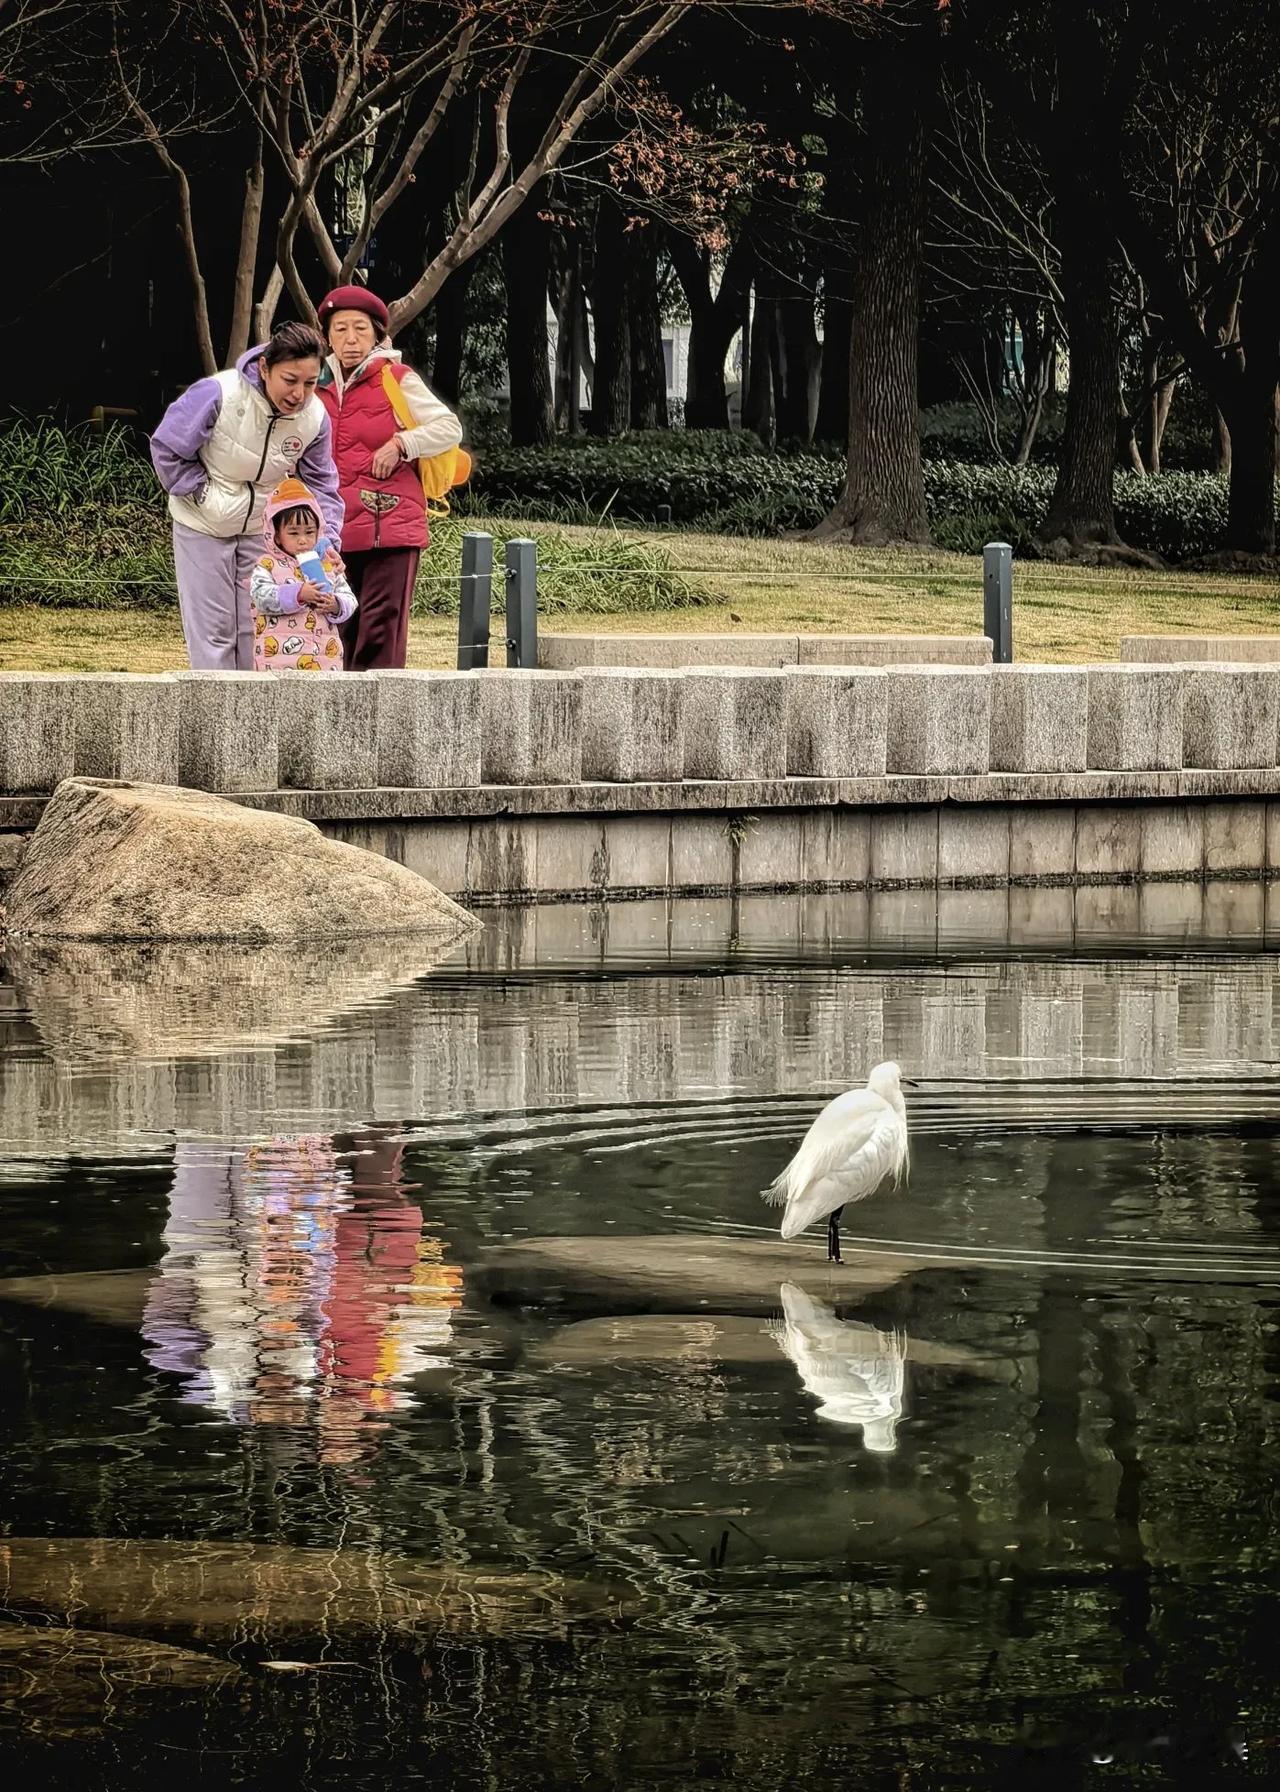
(351,337)
(289,384)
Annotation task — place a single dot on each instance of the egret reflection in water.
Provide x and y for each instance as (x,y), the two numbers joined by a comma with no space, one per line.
(297,1286)
(856,1372)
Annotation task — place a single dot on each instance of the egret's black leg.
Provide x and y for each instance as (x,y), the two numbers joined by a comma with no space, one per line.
(833,1236)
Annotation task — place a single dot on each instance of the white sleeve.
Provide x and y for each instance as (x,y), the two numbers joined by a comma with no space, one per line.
(435,426)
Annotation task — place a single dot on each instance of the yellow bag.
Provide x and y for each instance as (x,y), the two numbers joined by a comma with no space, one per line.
(439,472)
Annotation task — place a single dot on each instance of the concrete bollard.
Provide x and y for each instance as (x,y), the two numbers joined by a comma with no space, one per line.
(428,729)
(1135,718)
(631,725)
(127,726)
(733,723)
(837,721)
(37,731)
(1039,718)
(328,723)
(530,727)
(228,731)
(1229,716)
(939,721)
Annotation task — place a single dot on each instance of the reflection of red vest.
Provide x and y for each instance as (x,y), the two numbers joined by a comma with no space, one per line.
(381,513)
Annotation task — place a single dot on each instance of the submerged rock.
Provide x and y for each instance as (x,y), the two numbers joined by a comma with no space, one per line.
(115,861)
(683,1340)
(110,1296)
(215,1591)
(679,1271)
(68,1680)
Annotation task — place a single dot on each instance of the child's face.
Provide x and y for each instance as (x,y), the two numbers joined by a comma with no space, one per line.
(296,534)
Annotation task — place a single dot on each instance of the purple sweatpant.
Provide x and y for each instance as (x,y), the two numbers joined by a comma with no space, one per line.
(213,597)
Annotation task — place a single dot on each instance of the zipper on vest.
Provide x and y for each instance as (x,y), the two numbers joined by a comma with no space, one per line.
(262,461)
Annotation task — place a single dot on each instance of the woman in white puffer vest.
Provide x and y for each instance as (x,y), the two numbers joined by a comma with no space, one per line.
(220,451)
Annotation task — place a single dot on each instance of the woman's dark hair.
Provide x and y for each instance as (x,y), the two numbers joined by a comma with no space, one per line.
(293,342)
(296,513)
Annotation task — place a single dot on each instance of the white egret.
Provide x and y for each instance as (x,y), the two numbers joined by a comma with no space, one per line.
(856,1372)
(857,1140)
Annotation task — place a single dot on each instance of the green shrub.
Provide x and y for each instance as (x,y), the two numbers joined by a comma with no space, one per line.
(605,573)
(83,525)
(1179,516)
(48,471)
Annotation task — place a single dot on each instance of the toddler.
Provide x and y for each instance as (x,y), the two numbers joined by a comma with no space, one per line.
(298,608)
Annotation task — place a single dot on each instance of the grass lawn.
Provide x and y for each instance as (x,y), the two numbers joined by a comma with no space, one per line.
(761,587)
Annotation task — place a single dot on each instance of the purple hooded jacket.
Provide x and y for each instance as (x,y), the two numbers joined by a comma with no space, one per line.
(183,433)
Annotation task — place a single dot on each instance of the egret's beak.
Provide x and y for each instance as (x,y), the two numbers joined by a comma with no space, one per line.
(910,1082)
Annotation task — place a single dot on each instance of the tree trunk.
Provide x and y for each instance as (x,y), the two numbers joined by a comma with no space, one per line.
(569,333)
(1251,505)
(524,264)
(648,368)
(837,325)
(452,316)
(712,322)
(883,497)
(245,280)
(706,399)
(1251,417)
(801,368)
(1221,445)
(757,413)
(1081,509)
(611,393)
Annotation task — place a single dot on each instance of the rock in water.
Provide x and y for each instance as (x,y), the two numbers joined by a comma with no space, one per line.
(63,1682)
(678,1272)
(217,1591)
(116,861)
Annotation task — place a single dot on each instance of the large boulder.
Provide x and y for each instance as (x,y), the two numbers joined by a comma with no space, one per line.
(117,861)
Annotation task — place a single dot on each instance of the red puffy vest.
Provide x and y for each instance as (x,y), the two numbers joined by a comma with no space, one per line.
(381,513)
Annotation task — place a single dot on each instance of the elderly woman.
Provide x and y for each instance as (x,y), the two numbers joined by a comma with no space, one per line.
(375,447)
(220,451)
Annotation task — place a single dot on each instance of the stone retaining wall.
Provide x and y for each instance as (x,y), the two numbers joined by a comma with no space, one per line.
(567,653)
(1254,648)
(504,785)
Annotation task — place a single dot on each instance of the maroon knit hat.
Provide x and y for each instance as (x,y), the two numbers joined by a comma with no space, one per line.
(353,298)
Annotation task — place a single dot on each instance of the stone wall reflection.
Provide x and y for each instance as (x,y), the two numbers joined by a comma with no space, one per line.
(501,1028)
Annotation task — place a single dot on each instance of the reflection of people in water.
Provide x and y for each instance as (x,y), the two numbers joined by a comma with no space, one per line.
(857,1373)
(297,1287)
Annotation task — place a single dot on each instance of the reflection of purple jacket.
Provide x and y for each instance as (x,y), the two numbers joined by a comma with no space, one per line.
(221,449)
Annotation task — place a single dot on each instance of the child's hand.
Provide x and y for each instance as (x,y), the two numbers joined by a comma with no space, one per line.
(311,597)
(325,602)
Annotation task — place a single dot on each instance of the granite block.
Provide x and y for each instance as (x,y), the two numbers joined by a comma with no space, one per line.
(127,726)
(837,721)
(1039,718)
(531,727)
(328,730)
(939,720)
(428,729)
(1229,717)
(1135,718)
(631,724)
(228,731)
(37,731)
(733,723)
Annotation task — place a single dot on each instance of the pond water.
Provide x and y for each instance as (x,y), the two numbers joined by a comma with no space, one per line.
(404,1384)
